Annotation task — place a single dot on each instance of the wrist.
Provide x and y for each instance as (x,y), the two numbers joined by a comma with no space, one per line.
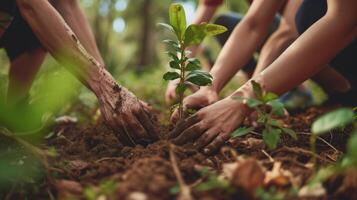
(103,84)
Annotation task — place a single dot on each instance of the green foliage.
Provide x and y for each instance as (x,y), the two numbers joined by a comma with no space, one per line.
(189,68)
(332,120)
(272,128)
(336,119)
(273,194)
(241,131)
(212,182)
(105,189)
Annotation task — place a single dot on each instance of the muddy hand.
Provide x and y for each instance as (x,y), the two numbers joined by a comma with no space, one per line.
(202,98)
(211,127)
(124,112)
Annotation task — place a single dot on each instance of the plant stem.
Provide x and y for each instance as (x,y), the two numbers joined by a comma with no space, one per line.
(313,149)
(182,79)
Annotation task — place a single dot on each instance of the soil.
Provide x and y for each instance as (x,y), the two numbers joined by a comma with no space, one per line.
(88,156)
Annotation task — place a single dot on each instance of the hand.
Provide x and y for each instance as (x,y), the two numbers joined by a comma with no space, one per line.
(202,98)
(124,112)
(211,127)
(170,94)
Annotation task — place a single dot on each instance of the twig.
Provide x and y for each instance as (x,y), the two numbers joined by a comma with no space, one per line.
(185,190)
(297,151)
(322,140)
(106,158)
(271,159)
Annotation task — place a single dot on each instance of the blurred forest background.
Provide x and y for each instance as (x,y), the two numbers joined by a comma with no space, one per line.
(130,42)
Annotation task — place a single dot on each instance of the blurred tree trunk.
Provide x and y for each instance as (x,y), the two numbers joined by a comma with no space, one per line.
(145,52)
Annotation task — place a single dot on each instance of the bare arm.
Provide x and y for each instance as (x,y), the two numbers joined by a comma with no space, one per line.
(312,50)
(281,38)
(120,108)
(244,41)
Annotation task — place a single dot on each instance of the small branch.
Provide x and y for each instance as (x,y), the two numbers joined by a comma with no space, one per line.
(271,159)
(185,190)
(322,140)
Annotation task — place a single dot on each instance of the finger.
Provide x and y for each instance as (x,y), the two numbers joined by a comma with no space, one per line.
(189,134)
(216,143)
(137,129)
(183,125)
(174,117)
(129,125)
(148,125)
(205,139)
(123,135)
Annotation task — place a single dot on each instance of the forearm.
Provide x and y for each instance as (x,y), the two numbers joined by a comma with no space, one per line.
(306,56)
(243,42)
(237,51)
(275,46)
(56,36)
(77,20)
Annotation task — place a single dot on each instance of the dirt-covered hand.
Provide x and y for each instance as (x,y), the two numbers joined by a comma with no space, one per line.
(211,127)
(129,116)
(202,98)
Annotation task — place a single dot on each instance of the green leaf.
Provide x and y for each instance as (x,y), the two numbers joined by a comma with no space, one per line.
(257,90)
(193,64)
(252,103)
(241,131)
(171,42)
(291,132)
(175,189)
(167,27)
(199,78)
(171,76)
(173,45)
(277,107)
(269,97)
(274,122)
(173,56)
(181,88)
(196,33)
(352,147)
(174,65)
(214,29)
(332,120)
(271,137)
(178,19)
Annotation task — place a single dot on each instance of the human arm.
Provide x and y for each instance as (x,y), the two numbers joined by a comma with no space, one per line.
(304,58)
(242,43)
(120,108)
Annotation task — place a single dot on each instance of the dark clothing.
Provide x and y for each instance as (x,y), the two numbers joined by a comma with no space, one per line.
(18,36)
(230,20)
(345,62)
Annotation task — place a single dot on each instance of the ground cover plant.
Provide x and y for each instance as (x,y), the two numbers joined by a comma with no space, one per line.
(309,154)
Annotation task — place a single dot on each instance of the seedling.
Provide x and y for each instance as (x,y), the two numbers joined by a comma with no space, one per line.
(186,69)
(328,122)
(272,127)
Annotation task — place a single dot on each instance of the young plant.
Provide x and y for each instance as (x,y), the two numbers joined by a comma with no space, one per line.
(328,122)
(272,127)
(186,69)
